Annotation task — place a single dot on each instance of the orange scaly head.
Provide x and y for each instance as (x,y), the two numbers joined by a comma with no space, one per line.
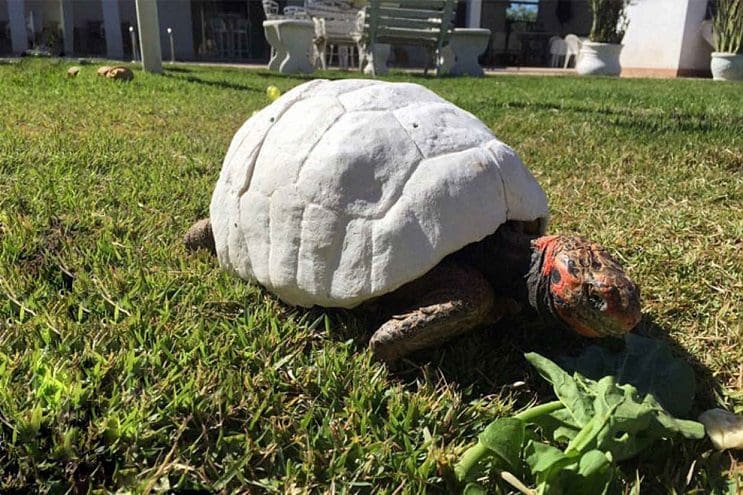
(587,289)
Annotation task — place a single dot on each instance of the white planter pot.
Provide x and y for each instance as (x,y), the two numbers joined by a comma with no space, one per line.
(598,59)
(726,66)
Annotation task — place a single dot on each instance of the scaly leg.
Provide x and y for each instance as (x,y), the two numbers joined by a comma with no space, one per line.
(449,300)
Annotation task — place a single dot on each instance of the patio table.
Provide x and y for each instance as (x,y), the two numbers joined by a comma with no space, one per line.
(467,45)
(291,40)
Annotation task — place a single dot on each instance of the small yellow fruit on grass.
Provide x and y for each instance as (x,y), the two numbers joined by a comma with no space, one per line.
(273,93)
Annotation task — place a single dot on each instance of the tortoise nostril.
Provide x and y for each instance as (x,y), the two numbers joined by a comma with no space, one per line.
(597,302)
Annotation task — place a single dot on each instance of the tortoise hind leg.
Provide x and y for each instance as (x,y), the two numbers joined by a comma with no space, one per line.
(449,300)
(200,236)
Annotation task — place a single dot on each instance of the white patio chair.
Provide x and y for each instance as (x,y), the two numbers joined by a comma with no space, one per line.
(271,9)
(336,30)
(558,49)
(294,12)
(573,49)
(426,23)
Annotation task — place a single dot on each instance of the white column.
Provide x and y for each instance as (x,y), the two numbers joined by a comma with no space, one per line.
(149,36)
(695,51)
(17,21)
(112,27)
(474,10)
(66,13)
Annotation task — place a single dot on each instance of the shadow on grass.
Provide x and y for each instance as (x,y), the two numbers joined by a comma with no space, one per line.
(178,69)
(640,119)
(267,74)
(216,84)
(487,360)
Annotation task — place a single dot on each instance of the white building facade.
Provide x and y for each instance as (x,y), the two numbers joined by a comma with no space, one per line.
(663,39)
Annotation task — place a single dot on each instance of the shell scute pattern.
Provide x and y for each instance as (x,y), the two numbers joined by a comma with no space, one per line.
(439,127)
(319,248)
(525,199)
(358,169)
(286,209)
(429,214)
(289,141)
(380,96)
(235,177)
(347,190)
(351,280)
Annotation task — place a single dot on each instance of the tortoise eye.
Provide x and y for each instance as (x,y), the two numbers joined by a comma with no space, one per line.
(572,268)
(555,276)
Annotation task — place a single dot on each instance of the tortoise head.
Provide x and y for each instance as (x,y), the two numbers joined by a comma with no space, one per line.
(584,287)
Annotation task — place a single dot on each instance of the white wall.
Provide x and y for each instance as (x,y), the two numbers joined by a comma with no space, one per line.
(664,36)
(654,35)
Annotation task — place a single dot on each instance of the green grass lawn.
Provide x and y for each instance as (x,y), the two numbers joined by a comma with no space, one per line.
(127,362)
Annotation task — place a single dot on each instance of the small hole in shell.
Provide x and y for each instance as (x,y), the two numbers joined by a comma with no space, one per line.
(415,125)
(272,119)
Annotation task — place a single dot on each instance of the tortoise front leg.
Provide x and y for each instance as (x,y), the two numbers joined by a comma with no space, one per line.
(449,300)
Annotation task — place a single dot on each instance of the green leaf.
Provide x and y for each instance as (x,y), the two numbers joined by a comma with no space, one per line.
(648,365)
(544,459)
(592,462)
(593,477)
(558,425)
(559,473)
(626,423)
(565,388)
(474,489)
(504,437)
(608,416)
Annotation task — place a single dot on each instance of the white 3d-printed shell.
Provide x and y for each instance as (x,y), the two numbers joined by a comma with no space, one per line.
(341,191)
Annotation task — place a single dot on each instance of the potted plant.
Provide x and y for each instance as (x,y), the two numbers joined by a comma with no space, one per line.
(727,27)
(600,54)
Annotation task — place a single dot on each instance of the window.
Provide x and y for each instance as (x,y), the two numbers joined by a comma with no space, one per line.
(523,11)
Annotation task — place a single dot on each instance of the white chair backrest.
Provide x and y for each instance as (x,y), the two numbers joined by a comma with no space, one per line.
(330,4)
(319,27)
(416,22)
(558,46)
(339,18)
(573,44)
(271,9)
(294,12)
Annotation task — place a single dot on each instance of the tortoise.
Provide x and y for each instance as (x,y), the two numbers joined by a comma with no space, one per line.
(345,192)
